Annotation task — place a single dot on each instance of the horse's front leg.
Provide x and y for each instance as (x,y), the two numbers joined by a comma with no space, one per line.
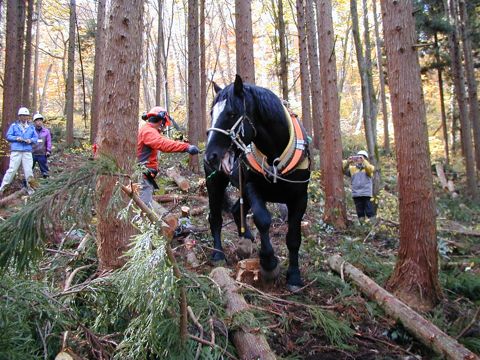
(261,216)
(294,239)
(245,246)
(216,186)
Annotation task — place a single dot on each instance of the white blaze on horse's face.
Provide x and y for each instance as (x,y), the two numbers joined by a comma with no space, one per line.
(217,111)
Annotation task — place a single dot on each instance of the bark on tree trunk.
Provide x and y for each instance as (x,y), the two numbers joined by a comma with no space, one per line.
(159,63)
(283,51)
(248,344)
(363,81)
(335,210)
(459,83)
(193,80)
(244,40)
(98,63)
(381,79)
(442,100)
(118,112)
(27,77)
(70,84)
(415,279)
(474,113)
(12,82)
(304,71)
(37,57)
(203,76)
(315,87)
(424,330)
(45,86)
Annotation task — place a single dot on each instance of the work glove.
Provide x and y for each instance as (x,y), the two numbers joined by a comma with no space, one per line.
(48,154)
(192,150)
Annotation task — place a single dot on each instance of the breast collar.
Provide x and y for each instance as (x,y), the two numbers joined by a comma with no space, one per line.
(295,155)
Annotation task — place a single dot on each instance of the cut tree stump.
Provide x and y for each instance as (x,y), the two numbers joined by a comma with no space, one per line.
(249,345)
(181,182)
(422,329)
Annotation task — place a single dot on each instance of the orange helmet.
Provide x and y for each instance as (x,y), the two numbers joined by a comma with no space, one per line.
(159,114)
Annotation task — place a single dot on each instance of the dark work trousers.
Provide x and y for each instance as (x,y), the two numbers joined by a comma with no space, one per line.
(42,161)
(364,206)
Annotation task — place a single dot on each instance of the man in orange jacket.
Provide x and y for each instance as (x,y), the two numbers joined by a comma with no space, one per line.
(150,141)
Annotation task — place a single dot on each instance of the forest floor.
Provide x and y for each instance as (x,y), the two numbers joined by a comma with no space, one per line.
(292,328)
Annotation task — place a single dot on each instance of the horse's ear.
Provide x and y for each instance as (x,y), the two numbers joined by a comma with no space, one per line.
(238,86)
(216,88)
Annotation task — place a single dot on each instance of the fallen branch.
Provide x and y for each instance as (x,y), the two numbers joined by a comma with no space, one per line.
(249,345)
(178,197)
(155,219)
(69,280)
(7,200)
(424,330)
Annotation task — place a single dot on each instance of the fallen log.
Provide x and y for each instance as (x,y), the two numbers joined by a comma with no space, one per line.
(181,182)
(166,198)
(249,345)
(422,329)
(7,200)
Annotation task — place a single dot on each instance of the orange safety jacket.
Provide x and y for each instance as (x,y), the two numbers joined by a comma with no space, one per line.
(150,141)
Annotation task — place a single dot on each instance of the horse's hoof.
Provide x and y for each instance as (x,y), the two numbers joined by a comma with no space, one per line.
(294,280)
(293,288)
(218,259)
(271,275)
(245,248)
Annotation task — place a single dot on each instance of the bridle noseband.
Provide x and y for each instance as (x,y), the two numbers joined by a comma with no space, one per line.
(238,129)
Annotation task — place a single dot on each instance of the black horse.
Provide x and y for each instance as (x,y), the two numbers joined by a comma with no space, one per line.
(257,145)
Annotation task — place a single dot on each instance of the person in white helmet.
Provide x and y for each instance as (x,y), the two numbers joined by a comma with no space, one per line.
(361,171)
(42,149)
(21,135)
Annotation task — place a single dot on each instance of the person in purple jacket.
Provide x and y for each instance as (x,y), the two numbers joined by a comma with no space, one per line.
(43,147)
(21,135)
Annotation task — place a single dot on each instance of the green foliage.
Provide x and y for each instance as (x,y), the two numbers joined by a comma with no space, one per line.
(337,331)
(472,343)
(69,195)
(31,322)
(150,296)
(462,283)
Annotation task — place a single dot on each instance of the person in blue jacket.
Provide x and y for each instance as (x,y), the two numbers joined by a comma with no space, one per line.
(21,135)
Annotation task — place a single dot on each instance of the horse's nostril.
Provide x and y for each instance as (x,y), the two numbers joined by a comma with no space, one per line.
(211,157)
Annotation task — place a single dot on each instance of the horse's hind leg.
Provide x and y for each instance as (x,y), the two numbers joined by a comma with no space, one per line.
(244,246)
(216,186)
(294,239)
(262,218)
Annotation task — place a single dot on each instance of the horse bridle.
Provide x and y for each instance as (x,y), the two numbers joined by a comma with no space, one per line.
(238,128)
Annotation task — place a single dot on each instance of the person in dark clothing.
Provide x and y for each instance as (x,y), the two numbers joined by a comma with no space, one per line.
(42,149)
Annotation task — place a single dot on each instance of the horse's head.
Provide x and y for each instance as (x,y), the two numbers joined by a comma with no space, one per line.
(232,128)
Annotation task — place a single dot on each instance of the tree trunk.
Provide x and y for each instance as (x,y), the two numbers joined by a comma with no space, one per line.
(381,79)
(369,75)
(459,83)
(367,111)
(415,279)
(27,69)
(70,84)
(283,51)
(12,82)
(203,76)
(345,58)
(304,71)
(474,113)
(244,40)
(193,81)
(315,87)
(423,330)
(249,344)
(159,59)
(45,86)
(335,211)
(98,63)
(442,100)
(37,57)
(118,111)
